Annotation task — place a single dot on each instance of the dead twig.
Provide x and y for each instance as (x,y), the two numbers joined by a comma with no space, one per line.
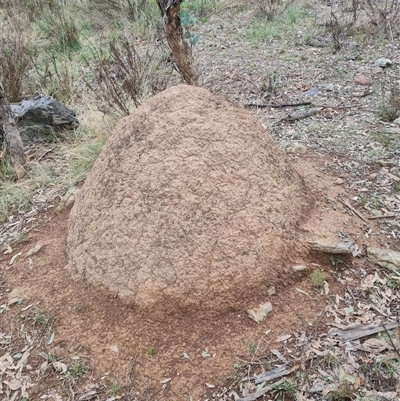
(45,153)
(385,216)
(353,210)
(391,341)
(278,106)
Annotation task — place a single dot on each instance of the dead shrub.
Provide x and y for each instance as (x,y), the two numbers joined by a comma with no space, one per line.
(384,14)
(15,54)
(389,108)
(125,76)
(110,8)
(269,9)
(343,18)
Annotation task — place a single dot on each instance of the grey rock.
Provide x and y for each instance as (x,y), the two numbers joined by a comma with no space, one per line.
(296,147)
(384,258)
(383,62)
(335,248)
(42,117)
(397,121)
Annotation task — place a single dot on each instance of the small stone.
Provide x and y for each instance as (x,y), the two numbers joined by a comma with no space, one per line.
(300,268)
(384,258)
(397,121)
(67,200)
(296,148)
(335,248)
(17,295)
(383,62)
(361,79)
(339,181)
(258,314)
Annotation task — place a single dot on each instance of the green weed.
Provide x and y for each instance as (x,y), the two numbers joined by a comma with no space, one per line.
(14,198)
(77,369)
(261,31)
(251,348)
(285,391)
(317,279)
(115,387)
(41,318)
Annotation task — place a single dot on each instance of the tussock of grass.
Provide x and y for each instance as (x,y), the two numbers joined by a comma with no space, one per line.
(317,279)
(94,132)
(13,198)
(70,163)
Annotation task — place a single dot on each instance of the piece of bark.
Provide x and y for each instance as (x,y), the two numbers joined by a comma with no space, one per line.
(354,333)
(14,147)
(273,374)
(178,45)
(259,394)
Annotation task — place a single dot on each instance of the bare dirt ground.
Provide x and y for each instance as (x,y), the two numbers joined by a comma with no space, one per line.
(346,153)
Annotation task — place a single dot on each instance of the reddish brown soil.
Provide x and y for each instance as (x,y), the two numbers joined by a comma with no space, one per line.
(89,320)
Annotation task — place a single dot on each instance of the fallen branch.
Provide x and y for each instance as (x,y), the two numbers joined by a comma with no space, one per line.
(353,210)
(281,106)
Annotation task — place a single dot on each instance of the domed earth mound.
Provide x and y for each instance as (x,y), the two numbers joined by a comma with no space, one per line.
(189,205)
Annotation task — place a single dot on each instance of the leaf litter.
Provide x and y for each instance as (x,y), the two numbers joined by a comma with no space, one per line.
(360,350)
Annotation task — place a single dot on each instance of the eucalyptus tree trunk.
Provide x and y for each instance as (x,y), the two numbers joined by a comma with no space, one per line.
(179,47)
(12,139)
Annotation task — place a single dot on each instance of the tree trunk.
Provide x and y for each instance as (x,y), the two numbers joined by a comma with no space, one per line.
(179,47)
(12,139)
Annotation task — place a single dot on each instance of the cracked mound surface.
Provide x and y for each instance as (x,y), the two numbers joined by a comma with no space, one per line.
(190,205)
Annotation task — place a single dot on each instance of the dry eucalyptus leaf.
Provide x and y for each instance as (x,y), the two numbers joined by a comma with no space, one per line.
(12,260)
(13,384)
(33,250)
(8,250)
(60,367)
(283,338)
